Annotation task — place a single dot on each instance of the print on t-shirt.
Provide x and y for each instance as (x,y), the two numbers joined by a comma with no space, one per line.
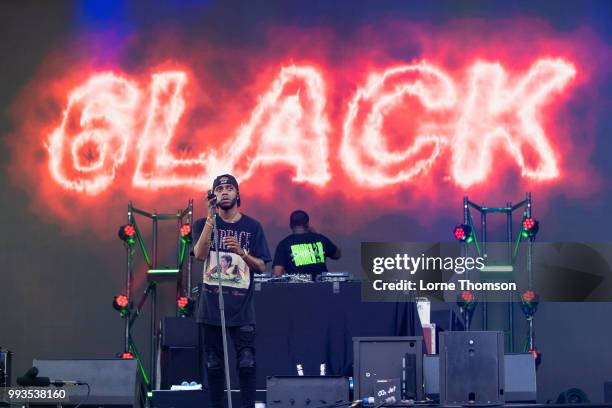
(235,275)
(307,254)
(234,271)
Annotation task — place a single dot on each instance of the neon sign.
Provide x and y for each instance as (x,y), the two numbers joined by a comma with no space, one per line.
(99,131)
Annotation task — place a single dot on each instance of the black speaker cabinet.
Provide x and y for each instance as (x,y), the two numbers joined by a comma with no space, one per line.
(385,358)
(472,368)
(112,381)
(180,358)
(306,391)
(519,377)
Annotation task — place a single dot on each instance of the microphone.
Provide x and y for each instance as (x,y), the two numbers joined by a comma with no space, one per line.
(212,196)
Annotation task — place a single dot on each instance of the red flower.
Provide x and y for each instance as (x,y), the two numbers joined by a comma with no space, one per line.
(467,296)
(528,296)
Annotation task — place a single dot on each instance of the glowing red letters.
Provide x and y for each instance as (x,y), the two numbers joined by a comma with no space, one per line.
(289,125)
(95,133)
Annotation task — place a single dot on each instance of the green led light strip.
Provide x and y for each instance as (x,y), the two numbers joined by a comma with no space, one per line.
(163,271)
(134,351)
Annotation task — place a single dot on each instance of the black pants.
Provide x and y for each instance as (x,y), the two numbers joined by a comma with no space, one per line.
(243,338)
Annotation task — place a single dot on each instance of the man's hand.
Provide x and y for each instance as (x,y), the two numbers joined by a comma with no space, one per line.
(255,264)
(278,270)
(201,248)
(232,244)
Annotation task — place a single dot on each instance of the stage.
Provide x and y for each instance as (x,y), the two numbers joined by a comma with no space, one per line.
(445,162)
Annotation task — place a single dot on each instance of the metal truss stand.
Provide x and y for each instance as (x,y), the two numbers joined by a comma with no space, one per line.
(512,252)
(154,276)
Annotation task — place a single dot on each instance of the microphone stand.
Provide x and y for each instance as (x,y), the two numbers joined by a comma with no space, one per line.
(222,312)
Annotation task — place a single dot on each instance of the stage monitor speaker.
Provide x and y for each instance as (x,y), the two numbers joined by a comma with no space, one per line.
(5,368)
(113,382)
(472,368)
(519,377)
(306,391)
(382,358)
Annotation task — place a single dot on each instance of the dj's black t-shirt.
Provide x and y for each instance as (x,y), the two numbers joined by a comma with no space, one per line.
(236,277)
(304,253)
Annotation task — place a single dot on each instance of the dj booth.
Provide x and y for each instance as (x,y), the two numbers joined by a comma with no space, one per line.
(306,324)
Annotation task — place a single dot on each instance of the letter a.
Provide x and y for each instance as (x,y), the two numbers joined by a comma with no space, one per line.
(287,126)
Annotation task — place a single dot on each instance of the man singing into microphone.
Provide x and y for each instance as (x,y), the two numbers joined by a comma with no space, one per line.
(242,239)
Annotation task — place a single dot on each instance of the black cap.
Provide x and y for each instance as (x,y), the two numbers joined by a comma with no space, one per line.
(226,179)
